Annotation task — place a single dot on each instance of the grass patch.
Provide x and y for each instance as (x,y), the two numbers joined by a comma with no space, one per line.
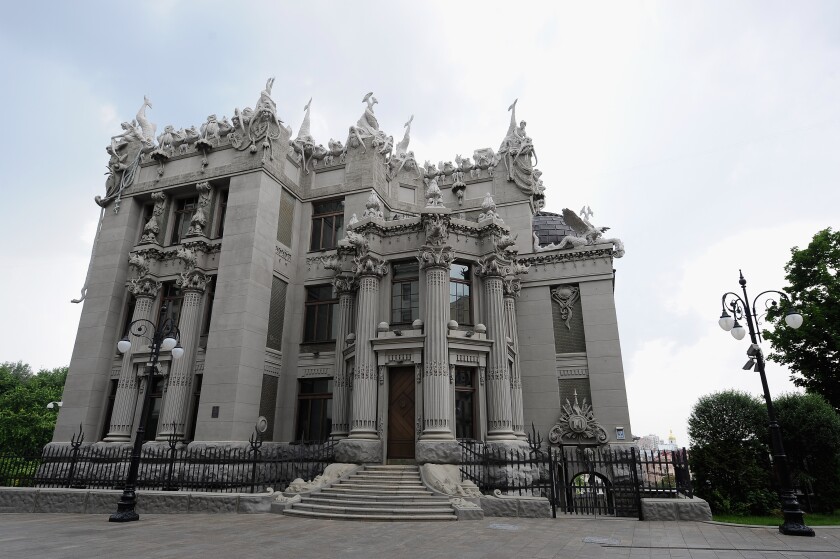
(814,519)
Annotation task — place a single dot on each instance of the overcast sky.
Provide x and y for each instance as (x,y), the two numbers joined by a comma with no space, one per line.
(705,134)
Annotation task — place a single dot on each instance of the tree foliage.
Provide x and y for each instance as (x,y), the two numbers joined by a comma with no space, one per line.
(811,435)
(813,351)
(730,446)
(728,455)
(26,425)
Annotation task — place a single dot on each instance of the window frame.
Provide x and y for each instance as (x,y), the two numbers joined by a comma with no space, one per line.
(395,280)
(469,297)
(221,212)
(320,219)
(179,210)
(166,297)
(309,303)
(466,389)
(306,399)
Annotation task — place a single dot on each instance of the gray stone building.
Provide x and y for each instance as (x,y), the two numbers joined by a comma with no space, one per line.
(344,292)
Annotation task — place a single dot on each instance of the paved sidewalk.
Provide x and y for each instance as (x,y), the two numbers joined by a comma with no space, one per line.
(241,536)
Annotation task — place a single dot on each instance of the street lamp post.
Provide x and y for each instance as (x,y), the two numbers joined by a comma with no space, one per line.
(161,338)
(794,522)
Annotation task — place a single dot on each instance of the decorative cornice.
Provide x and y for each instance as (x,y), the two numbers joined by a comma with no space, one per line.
(283,253)
(570,256)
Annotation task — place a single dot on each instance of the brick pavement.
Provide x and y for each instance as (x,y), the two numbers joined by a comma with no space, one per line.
(46,536)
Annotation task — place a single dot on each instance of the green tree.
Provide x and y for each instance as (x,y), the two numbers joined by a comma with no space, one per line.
(728,455)
(813,351)
(811,434)
(26,425)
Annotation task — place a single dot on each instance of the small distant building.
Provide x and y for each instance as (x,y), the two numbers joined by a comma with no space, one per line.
(343,291)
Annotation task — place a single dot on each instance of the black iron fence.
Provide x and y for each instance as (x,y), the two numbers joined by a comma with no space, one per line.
(578,479)
(169,468)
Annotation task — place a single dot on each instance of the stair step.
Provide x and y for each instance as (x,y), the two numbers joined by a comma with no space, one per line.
(390,467)
(377,503)
(377,482)
(369,517)
(376,490)
(402,510)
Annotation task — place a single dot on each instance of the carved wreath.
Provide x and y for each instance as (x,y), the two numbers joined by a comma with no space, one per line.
(577,422)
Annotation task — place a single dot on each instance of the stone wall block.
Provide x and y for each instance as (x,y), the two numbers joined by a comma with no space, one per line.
(213,503)
(13,499)
(61,500)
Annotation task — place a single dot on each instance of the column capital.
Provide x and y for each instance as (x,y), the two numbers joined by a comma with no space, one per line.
(144,287)
(435,256)
(345,284)
(193,280)
(369,265)
(512,287)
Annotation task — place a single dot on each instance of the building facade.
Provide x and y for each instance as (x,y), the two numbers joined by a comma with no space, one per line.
(343,292)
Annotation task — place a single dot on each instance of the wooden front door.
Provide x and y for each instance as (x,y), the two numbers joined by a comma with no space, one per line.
(401,413)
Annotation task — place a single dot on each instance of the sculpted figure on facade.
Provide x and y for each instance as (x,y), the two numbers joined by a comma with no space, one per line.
(198,221)
(586,234)
(433,195)
(518,152)
(152,228)
(373,207)
(566,296)
(488,207)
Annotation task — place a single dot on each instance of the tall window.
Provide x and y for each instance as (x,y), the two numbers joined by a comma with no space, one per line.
(109,410)
(220,220)
(460,282)
(148,209)
(327,224)
(173,297)
(156,398)
(184,210)
(464,403)
(405,293)
(319,321)
(196,398)
(314,420)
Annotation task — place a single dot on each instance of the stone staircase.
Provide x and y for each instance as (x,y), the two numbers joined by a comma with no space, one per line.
(376,493)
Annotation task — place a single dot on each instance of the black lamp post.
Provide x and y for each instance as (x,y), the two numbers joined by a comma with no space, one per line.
(162,338)
(794,522)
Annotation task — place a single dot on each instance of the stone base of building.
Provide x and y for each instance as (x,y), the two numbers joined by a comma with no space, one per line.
(437,452)
(359,451)
(694,509)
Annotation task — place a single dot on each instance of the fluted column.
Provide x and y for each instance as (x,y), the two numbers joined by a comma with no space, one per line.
(122,417)
(180,373)
(512,288)
(345,286)
(437,392)
(499,414)
(369,270)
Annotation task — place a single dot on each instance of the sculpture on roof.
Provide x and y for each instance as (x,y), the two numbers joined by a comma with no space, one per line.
(261,124)
(126,151)
(366,127)
(304,143)
(585,234)
(402,158)
(485,159)
(518,153)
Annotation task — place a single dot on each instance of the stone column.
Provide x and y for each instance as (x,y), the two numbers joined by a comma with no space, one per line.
(369,270)
(512,289)
(180,376)
(122,417)
(437,397)
(499,415)
(345,286)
